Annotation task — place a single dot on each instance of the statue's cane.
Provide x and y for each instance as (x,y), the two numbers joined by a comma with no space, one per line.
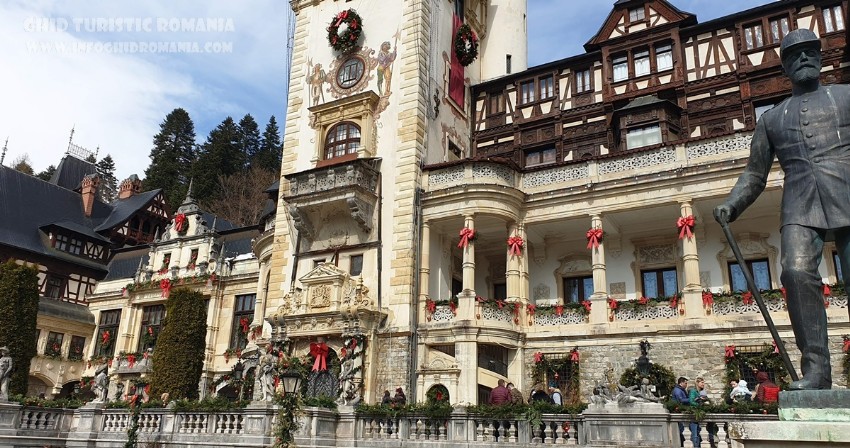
(757,295)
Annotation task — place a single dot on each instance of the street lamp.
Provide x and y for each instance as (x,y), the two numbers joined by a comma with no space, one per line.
(291,381)
(238,370)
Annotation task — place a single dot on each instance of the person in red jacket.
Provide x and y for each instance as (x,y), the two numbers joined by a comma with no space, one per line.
(501,394)
(768,391)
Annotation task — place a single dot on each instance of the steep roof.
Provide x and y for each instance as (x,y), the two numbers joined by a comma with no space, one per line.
(71,171)
(123,209)
(125,263)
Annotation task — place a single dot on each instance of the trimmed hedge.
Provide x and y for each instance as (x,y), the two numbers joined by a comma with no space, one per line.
(178,358)
(18,315)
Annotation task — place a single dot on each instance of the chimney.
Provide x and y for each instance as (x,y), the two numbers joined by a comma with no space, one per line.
(129,187)
(89,192)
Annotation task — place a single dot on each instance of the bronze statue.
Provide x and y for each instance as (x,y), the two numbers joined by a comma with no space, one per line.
(810,135)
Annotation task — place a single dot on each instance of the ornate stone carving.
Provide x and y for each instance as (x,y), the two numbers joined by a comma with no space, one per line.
(653,254)
(361,212)
(541,292)
(302,222)
(320,296)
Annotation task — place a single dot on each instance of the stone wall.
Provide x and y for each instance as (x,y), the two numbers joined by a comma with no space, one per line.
(393,366)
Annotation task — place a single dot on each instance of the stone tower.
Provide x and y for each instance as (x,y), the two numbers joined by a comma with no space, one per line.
(360,124)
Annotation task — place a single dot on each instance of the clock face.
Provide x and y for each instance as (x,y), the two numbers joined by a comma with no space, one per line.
(350,72)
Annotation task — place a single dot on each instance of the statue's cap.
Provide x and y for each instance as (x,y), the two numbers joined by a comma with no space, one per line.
(798,38)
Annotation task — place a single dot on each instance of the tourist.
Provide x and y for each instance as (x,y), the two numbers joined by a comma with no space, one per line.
(516,395)
(681,397)
(699,396)
(766,391)
(740,392)
(500,394)
(399,399)
(540,394)
(388,399)
(556,396)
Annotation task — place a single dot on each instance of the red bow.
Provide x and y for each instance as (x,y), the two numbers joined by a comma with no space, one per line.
(439,396)
(343,352)
(707,298)
(320,351)
(531,308)
(515,243)
(340,17)
(538,357)
(559,309)
(775,347)
(574,355)
(276,382)
(104,337)
(180,222)
(243,322)
(826,291)
(145,354)
(784,294)
(613,304)
(730,351)
(131,360)
(686,226)
(586,305)
(674,302)
(643,300)
(594,237)
(747,298)
(150,331)
(466,235)
(453,307)
(846,347)
(430,305)
(165,286)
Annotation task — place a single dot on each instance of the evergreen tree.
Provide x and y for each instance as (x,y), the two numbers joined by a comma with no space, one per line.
(271,149)
(249,132)
(47,173)
(108,183)
(18,314)
(172,156)
(91,159)
(179,355)
(220,155)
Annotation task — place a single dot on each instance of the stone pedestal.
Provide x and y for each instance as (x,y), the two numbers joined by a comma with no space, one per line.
(10,417)
(635,424)
(88,420)
(811,418)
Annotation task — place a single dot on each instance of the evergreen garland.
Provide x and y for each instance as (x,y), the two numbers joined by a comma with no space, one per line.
(437,395)
(18,314)
(767,360)
(660,376)
(466,45)
(346,41)
(543,366)
(846,349)
(179,355)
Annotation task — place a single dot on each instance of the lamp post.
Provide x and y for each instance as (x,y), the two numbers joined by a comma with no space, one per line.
(291,382)
(238,371)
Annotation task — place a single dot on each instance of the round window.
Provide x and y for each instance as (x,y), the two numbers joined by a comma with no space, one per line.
(350,72)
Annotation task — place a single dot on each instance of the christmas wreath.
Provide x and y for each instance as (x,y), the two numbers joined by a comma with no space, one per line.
(466,45)
(346,41)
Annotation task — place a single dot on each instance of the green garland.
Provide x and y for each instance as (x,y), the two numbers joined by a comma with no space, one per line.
(660,376)
(571,364)
(846,364)
(352,348)
(437,395)
(289,409)
(182,281)
(740,408)
(466,45)
(766,360)
(581,308)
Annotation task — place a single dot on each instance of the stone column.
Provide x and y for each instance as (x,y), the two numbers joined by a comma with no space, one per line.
(690,266)
(524,287)
(466,354)
(469,259)
(262,292)
(599,299)
(425,261)
(513,263)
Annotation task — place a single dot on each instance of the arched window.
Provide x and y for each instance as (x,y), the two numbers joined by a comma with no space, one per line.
(343,139)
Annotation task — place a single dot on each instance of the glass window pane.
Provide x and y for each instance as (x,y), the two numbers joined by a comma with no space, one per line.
(838,267)
(664,57)
(571,290)
(588,288)
(839,18)
(650,284)
(621,69)
(671,286)
(827,19)
(761,275)
(738,281)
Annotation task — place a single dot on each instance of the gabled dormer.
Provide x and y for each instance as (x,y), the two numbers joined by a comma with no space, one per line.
(641,51)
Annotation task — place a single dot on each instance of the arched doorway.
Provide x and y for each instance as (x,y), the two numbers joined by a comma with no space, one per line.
(325,382)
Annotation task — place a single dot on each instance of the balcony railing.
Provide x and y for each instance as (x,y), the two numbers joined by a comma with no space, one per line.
(358,173)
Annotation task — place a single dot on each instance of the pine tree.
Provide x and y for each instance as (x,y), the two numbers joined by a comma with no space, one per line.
(249,132)
(47,173)
(172,156)
(18,314)
(179,356)
(220,155)
(270,152)
(108,183)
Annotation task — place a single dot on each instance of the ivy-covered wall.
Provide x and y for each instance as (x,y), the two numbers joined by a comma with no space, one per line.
(18,315)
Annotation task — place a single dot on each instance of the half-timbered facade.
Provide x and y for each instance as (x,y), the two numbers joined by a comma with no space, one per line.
(62,228)
(588,192)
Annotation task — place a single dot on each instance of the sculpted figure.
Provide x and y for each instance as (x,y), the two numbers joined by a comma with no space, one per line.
(808,133)
(5,373)
(267,373)
(101,383)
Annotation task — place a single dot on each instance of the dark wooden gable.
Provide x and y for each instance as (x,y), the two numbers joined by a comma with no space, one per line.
(657,13)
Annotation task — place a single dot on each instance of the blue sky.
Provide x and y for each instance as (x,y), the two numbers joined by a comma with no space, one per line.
(59,70)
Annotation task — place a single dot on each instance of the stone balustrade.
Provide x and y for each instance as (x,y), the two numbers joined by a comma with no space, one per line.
(90,426)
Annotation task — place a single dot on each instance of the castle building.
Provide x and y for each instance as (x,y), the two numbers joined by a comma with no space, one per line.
(468,222)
